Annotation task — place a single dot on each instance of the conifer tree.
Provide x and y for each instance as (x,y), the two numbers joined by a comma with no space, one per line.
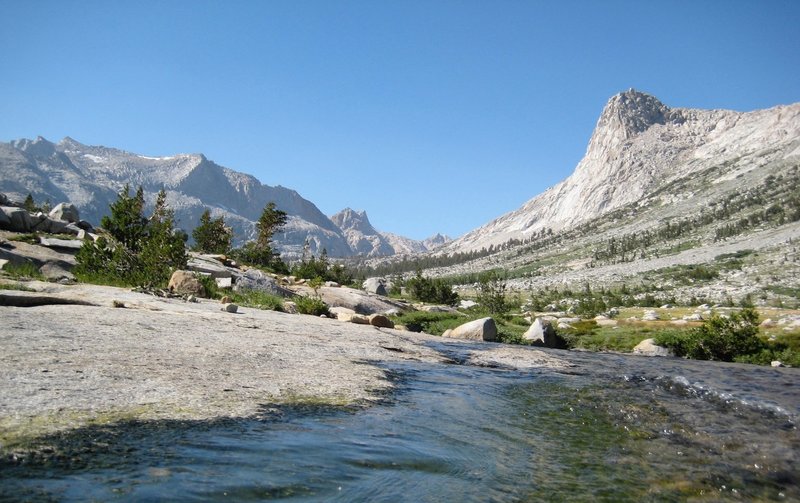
(212,235)
(134,250)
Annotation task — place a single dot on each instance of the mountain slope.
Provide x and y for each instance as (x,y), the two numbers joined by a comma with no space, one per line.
(638,147)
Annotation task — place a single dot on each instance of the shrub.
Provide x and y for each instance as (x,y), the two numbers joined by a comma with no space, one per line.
(428,322)
(718,338)
(257,300)
(435,291)
(311,305)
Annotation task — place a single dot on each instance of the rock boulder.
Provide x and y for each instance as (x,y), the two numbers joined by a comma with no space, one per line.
(66,212)
(375,285)
(15,219)
(542,333)
(185,282)
(254,279)
(648,347)
(483,329)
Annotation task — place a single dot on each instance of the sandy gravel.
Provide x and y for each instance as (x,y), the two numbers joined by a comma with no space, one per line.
(63,366)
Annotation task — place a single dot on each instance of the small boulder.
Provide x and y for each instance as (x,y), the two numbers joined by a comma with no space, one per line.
(254,279)
(337,310)
(776,363)
(466,304)
(185,282)
(542,333)
(648,347)
(55,271)
(606,322)
(224,283)
(52,226)
(650,316)
(483,329)
(375,285)
(64,244)
(381,321)
(230,308)
(332,284)
(359,319)
(66,212)
(72,229)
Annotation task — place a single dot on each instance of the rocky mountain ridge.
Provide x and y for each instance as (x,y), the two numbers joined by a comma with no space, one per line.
(91,177)
(366,241)
(638,147)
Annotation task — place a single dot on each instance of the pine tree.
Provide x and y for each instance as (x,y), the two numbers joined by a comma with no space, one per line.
(29,204)
(260,251)
(271,220)
(134,250)
(212,235)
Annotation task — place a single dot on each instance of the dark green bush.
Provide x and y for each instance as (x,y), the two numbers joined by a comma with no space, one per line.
(433,290)
(321,268)
(311,305)
(257,300)
(719,338)
(430,323)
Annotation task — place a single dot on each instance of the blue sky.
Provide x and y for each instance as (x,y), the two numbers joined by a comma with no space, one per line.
(433,116)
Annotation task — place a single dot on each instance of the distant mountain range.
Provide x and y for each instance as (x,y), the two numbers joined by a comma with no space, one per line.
(91,177)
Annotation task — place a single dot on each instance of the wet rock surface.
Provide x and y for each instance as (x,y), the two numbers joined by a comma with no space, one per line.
(135,356)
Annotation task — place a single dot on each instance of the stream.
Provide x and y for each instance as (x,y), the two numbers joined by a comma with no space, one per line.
(611,428)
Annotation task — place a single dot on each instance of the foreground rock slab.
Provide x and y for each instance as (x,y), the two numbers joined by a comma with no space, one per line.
(134,356)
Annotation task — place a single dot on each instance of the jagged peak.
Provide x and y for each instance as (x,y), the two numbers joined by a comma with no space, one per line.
(349,218)
(68,141)
(634,111)
(41,146)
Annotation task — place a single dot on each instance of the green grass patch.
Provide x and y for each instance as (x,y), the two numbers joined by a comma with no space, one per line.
(30,238)
(623,337)
(257,300)
(16,286)
(787,291)
(100,278)
(27,270)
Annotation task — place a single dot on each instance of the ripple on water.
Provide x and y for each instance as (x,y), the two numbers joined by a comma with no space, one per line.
(450,433)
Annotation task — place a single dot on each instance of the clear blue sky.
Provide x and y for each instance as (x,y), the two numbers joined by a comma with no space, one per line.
(434,115)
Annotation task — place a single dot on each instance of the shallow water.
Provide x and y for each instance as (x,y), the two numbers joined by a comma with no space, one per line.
(615,428)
